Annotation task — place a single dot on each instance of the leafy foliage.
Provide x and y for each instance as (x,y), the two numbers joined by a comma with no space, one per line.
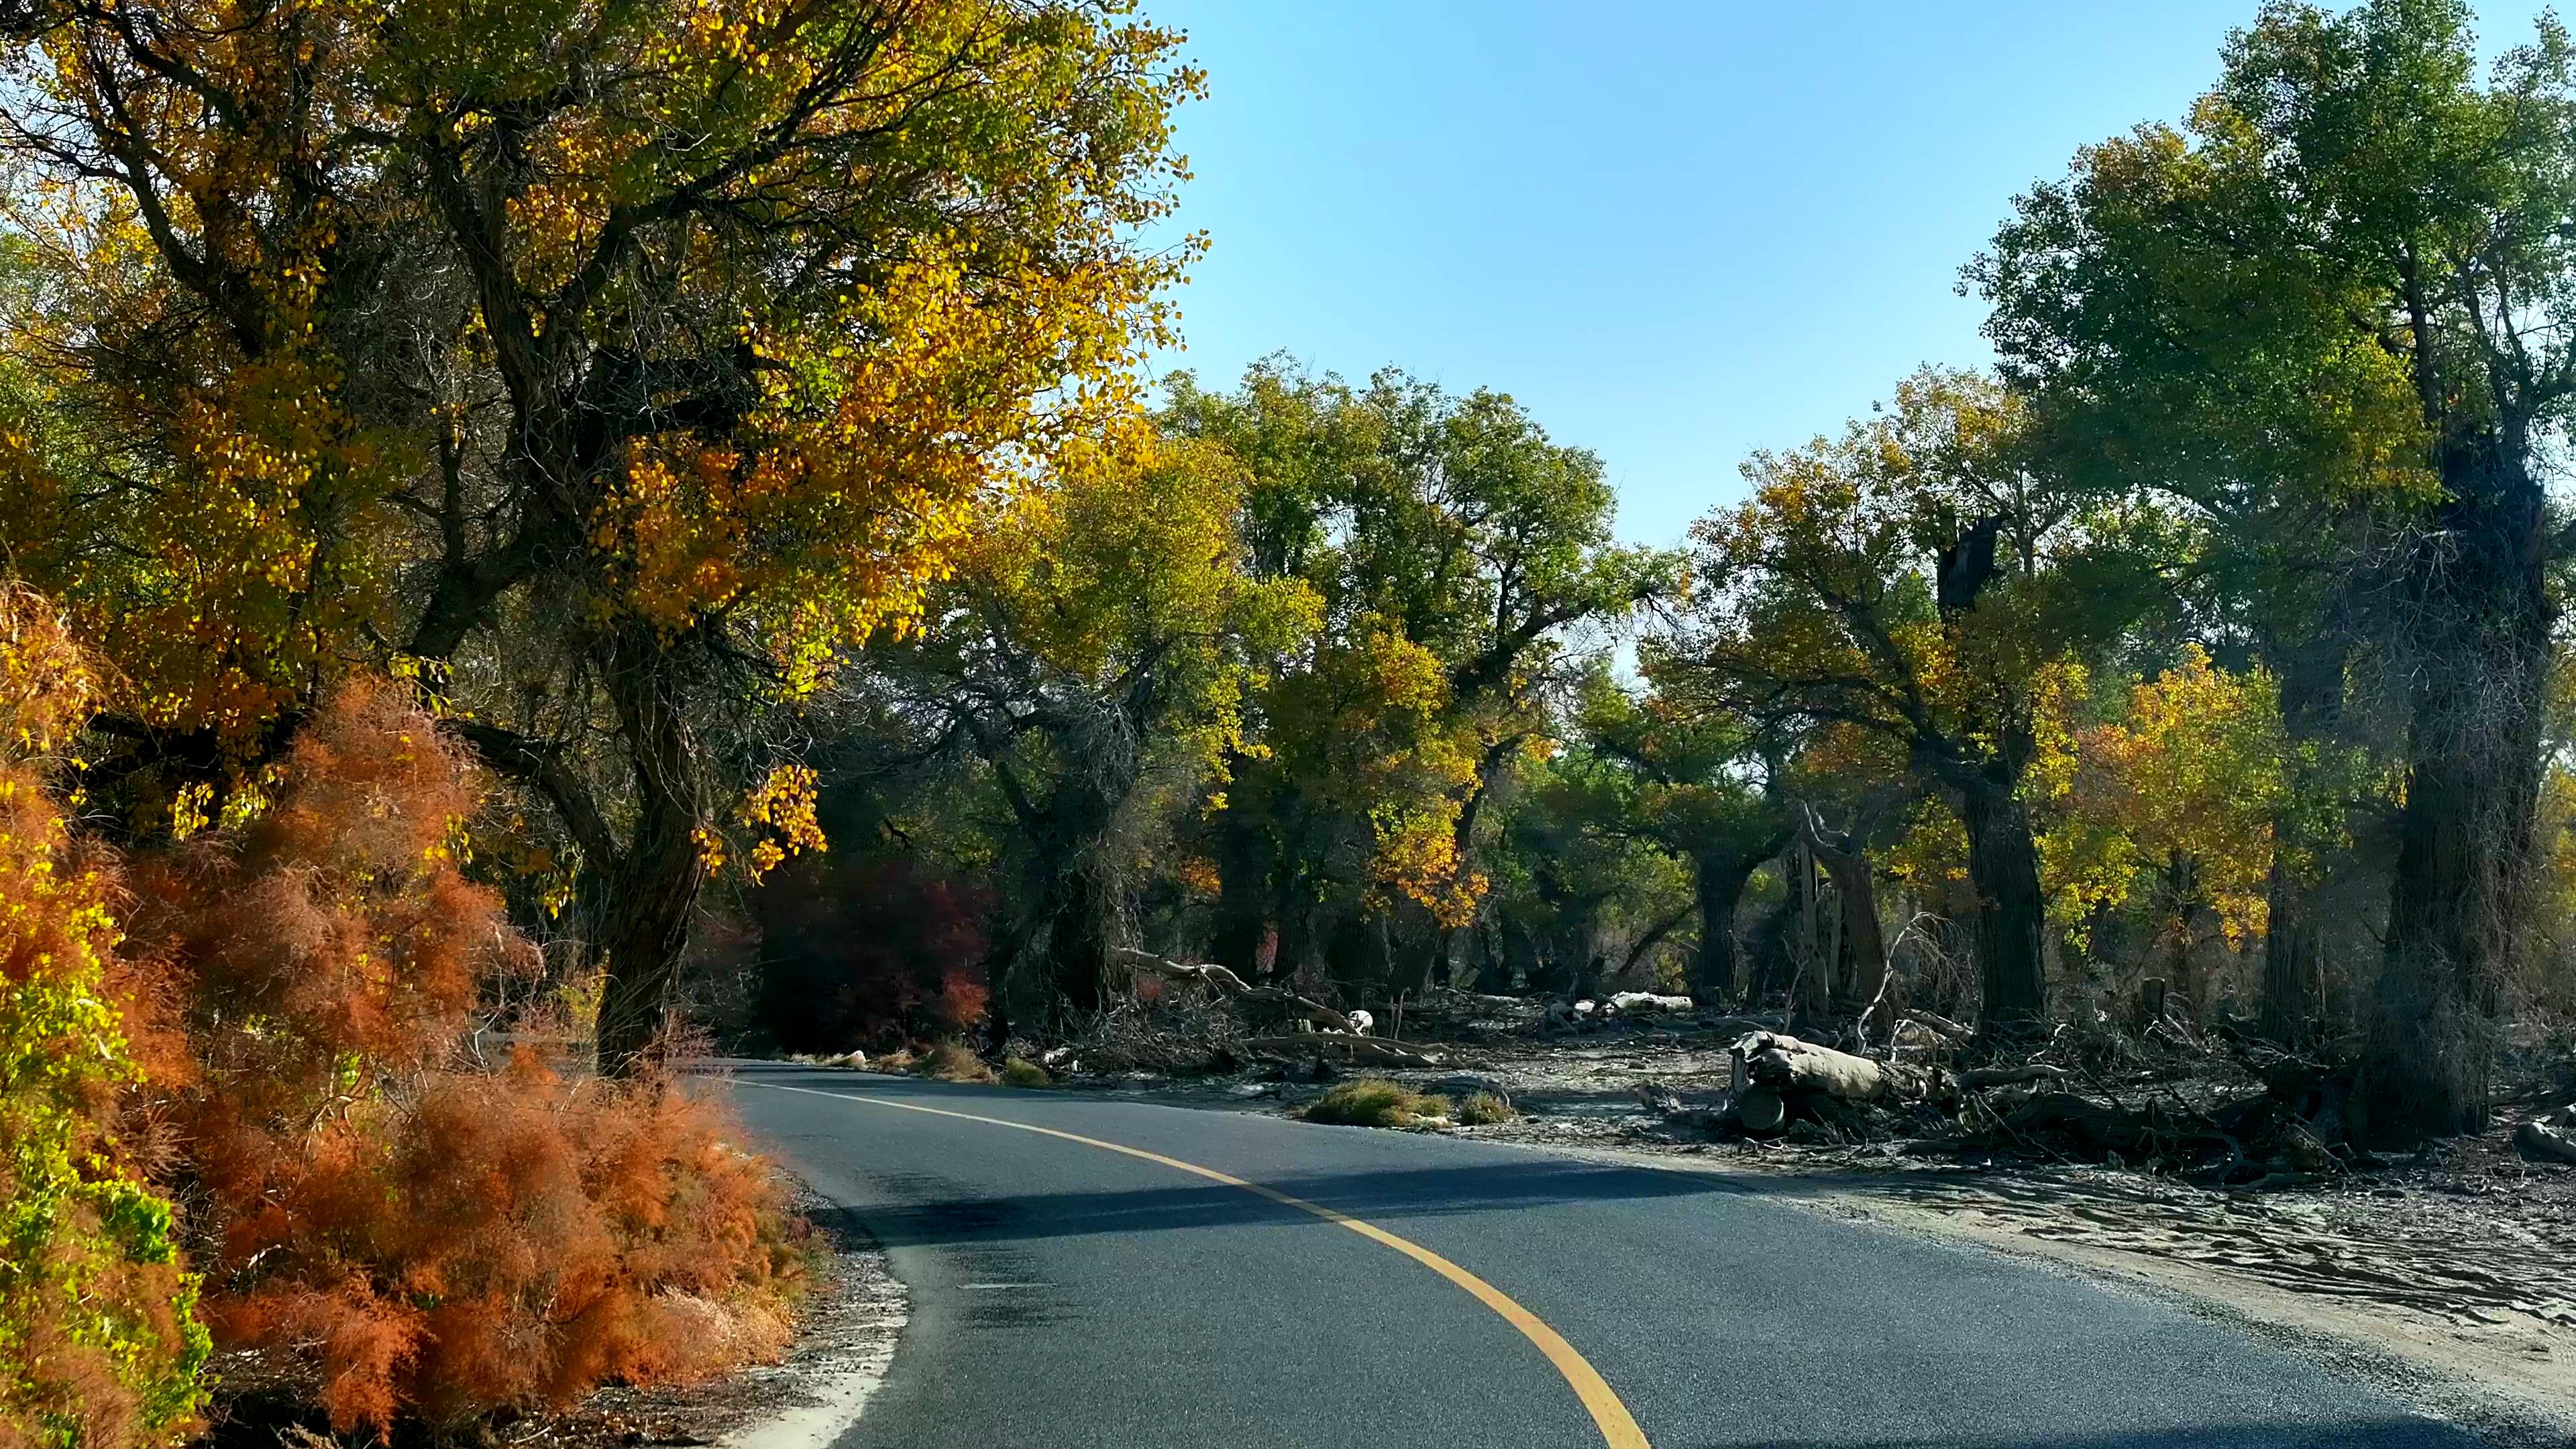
(99,1346)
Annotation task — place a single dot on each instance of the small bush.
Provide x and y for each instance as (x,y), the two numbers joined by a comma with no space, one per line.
(898,1062)
(1021,1072)
(1375,1102)
(953,1061)
(1484,1109)
(422,1235)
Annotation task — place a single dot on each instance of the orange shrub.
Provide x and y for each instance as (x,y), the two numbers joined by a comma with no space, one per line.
(432,1235)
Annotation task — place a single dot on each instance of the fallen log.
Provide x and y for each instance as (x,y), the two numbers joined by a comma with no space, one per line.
(2543,1142)
(1784,1065)
(1229,984)
(1367,1051)
(1979,1078)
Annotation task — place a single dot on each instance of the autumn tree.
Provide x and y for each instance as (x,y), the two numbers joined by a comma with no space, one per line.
(99,1343)
(616,369)
(1581,894)
(1919,580)
(2354,252)
(2188,785)
(1457,551)
(1699,786)
(1095,654)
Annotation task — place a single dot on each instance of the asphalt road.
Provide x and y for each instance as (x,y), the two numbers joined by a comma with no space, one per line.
(1068,1296)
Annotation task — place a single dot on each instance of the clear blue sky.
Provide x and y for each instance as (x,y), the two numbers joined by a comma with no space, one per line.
(1675,231)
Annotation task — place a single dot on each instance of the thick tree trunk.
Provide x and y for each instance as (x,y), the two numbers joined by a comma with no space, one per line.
(653,893)
(1862,968)
(2480,653)
(652,888)
(1722,879)
(2003,866)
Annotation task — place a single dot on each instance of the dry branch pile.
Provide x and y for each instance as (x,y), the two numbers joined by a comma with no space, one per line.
(2229,1115)
(1219,1021)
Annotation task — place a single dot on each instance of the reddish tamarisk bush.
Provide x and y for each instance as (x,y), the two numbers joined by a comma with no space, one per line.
(420,1232)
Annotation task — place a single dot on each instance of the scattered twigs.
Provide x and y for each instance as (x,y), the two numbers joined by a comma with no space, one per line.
(1368,1051)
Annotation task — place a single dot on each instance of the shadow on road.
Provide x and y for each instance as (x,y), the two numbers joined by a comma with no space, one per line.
(1380,1196)
(940,1210)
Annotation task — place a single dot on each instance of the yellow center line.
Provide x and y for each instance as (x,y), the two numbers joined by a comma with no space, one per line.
(1618,1430)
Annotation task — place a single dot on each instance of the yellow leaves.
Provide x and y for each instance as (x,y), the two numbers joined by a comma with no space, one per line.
(2196,771)
(188,814)
(46,684)
(1417,858)
(781,807)
(1199,876)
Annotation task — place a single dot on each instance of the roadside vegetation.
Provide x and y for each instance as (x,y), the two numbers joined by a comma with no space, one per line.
(1376,1102)
(506,585)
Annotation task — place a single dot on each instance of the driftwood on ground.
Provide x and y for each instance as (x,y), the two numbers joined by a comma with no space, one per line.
(1785,1066)
(1226,982)
(2549,1139)
(1366,1051)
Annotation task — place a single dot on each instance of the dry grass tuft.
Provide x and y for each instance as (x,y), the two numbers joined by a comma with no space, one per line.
(1484,1109)
(952,1061)
(1021,1072)
(1376,1102)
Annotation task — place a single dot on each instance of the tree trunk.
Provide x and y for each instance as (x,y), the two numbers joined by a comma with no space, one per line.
(1862,968)
(2003,866)
(1722,879)
(2480,653)
(652,888)
(2182,962)
(1811,990)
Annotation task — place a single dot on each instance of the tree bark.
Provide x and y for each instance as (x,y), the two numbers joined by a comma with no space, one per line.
(652,887)
(2465,835)
(1861,969)
(1721,880)
(2003,866)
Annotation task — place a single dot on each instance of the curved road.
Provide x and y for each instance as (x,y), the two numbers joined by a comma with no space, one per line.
(1230,1279)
